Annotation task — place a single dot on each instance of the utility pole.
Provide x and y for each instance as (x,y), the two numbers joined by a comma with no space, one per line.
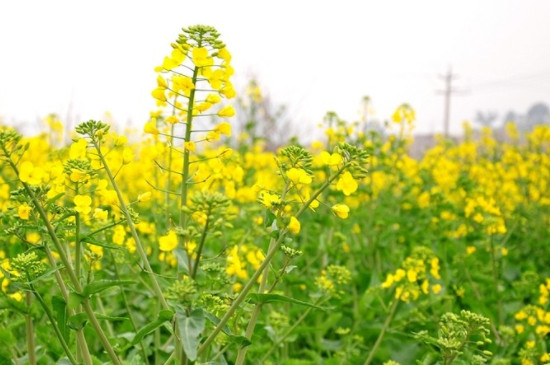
(448,79)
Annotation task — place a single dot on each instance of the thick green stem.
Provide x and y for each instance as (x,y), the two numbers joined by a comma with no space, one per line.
(383,331)
(30,332)
(188,130)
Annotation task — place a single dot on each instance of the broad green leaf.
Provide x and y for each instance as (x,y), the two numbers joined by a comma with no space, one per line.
(191,328)
(164,315)
(6,337)
(100,285)
(77,321)
(60,309)
(74,300)
(270,298)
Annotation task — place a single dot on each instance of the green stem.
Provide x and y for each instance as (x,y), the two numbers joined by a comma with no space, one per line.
(383,331)
(184,190)
(127,307)
(256,312)
(495,279)
(185,168)
(139,246)
(82,346)
(30,332)
(53,323)
(78,244)
(289,331)
(201,244)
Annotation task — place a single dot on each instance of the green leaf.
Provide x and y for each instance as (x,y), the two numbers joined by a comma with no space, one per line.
(100,285)
(46,274)
(257,298)
(94,241)
(164,315)
(191,328)
(110,318)
(74,300)
(64,361)
(7,338)
(269,218)
(182,259)
(241,341)
(77,321)
(60,310)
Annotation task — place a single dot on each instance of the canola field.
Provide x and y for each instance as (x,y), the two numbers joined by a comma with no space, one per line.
(189,244)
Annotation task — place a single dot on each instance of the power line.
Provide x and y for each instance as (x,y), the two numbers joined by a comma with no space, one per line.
(515,79)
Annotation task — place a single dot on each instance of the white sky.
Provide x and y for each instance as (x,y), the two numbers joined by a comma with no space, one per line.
(313,56)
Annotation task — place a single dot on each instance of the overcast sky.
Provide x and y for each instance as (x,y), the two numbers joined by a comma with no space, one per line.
(313,56)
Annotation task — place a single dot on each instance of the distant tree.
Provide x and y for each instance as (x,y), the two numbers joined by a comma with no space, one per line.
(511,116)
(538,113)
(261,118)
(486,119)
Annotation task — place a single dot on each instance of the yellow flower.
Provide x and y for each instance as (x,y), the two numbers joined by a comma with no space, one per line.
(341,210)
(224,55)
(16,296)
(412,275)
(200,57)
(158,94)
(268,199)
(30,174)
(331,159)
(168,242)
(100,214)
(298,176)
(436,288)
(78,175)
(223,128)
(23,211)
(347,184)
(172,119)
(33,237)
(82,204)
(212,136)
(150,127)
(182,84)
(389,281)
(190,146)
(294,225)
(213,98)
(227,111)
(434,268)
